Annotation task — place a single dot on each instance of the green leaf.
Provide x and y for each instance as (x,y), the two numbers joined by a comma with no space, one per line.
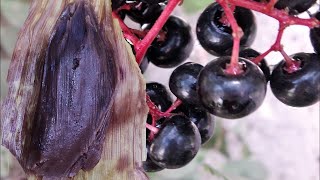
(191,6)
(248,169)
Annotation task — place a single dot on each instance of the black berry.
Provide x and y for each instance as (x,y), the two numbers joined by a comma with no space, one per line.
(176,46)
(145,13)
(216,36)
(315,35)
(176,144)
(249,53)
(231,96)
(159,95)
(183,82)
(300,88)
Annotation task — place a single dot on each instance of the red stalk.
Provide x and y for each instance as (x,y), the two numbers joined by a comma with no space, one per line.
(233,67)
(142,47)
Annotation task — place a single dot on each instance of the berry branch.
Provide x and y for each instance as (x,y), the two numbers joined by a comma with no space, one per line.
(223,26)
(141,46)
(275,47)
(237,33)
(156,114)
(144,44)
(282,16)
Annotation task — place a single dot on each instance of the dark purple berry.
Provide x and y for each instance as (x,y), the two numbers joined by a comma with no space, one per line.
(176,143)
(300,88)
(117,3)
(176,46)
(249,53)
(216,37)
(159,95)
(231,96)
(294,6)
(149,165)
(183,82)
(315,36)
(144,13)
(200,117)
(204,122)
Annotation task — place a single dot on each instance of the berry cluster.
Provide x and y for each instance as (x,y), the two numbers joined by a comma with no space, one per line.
(231,86)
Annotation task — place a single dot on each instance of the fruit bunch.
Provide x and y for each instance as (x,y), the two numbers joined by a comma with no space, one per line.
(231,86)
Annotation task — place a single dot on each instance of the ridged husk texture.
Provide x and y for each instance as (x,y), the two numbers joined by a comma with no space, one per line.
(76,101)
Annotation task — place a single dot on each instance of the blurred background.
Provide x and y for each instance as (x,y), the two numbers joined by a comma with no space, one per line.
(276,142)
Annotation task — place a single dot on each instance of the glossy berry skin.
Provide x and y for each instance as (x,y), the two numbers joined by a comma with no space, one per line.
(159,95)
(201,118)
(145,13)
(149,165)
(183,82)
(204,122)
(294,6)
(176,143)
(315,36)
(300,88)
(231,96)
(215,37)
(249,53)
(176,47)
(117,3)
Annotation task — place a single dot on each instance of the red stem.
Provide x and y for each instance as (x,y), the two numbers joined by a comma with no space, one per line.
(156,114)
(177,103)
(275,47)
(259,58)
(291,65)
(237,33)
(280,15)
(126,31)
(124,7)
(152,128)
(155,111)
(270,5)
(142,47)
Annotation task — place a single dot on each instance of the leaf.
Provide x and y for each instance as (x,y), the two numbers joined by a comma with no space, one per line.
(191,6)
(248,169)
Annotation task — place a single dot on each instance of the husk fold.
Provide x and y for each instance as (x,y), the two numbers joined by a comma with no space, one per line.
(124,144)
